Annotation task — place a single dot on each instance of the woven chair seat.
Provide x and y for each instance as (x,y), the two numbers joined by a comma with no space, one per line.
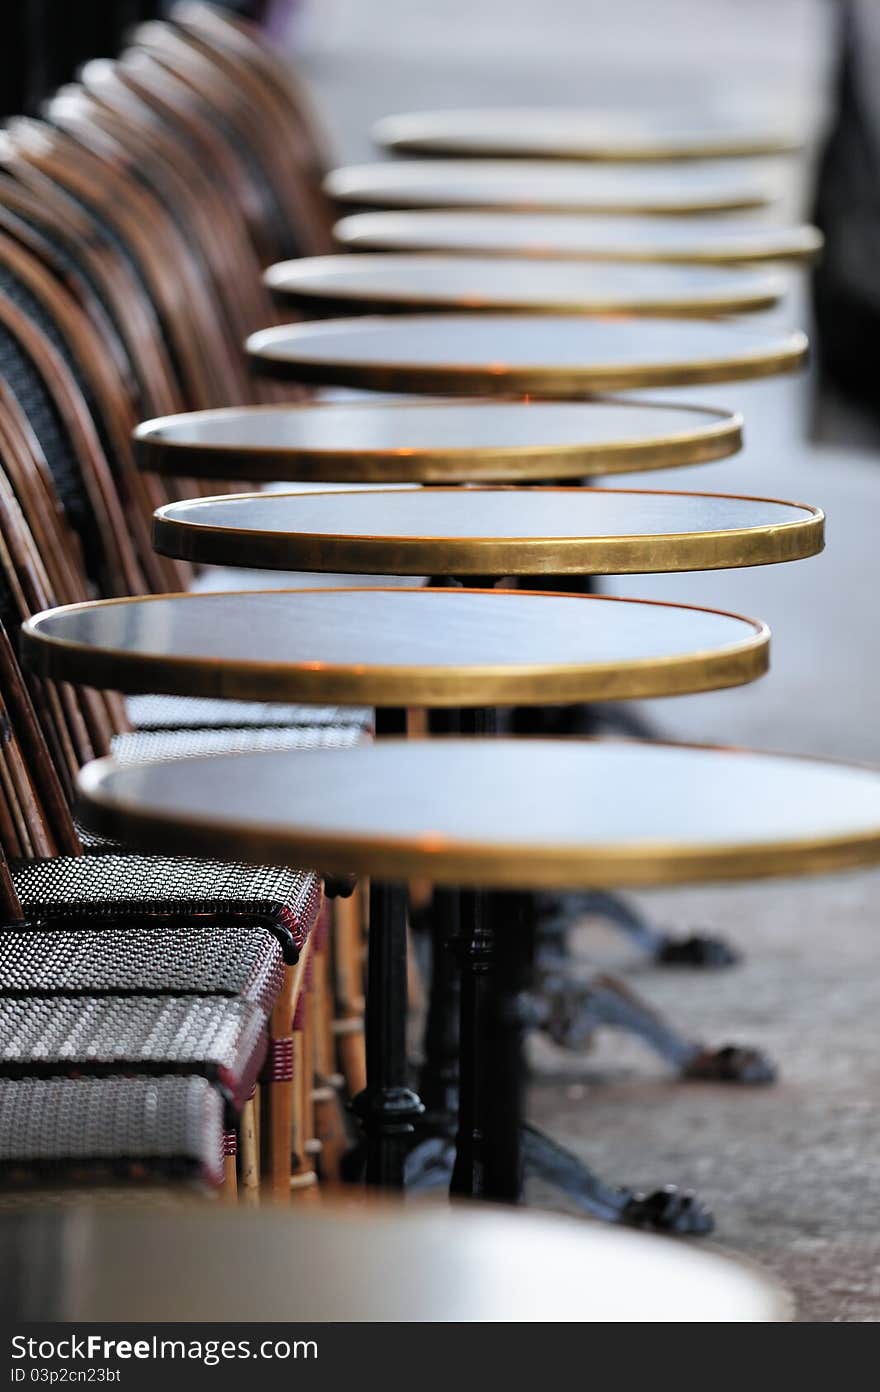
(155,712)
(224,1041)
(146,891)
(165,1126)
(214,579)
(245,963)
(145,746)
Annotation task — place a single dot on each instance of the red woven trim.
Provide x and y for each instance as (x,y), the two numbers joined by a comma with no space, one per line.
(279,1064)
(299,923)
(299,1014)
(230,1143)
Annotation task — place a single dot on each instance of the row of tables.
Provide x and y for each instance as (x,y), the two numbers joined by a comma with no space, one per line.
(494,818)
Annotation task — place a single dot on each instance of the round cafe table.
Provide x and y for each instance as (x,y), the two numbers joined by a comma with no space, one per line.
(503,813)
(351,284)
(485,354)
(568,237)
(458,441)
(544,185)
(363,1262)
(489,531)
(515,132)
(509,815)
(393,649)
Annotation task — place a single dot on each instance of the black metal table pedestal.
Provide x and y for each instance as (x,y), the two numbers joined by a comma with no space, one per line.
(388,1108)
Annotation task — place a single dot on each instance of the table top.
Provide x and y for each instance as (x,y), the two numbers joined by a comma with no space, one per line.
(435,442)
(486,354)
(396,647)
(488,531)
(366,1262)
(520,813)
(584,134)
(435,183)
(389,282)
(566,236)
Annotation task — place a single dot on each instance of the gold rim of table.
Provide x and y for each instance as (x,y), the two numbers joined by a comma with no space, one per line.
(299,282)
(157,451)
(430,685)
(442,859)
(785,352)
(486,555)
(399,132)
(560,186)
(375,231)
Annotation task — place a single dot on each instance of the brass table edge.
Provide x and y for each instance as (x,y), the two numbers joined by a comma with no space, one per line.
(594,150)
(337,304)
(622,555)
(802,249)
(721,437)
(566,383)
(742,201)
(731,664)
(514,865)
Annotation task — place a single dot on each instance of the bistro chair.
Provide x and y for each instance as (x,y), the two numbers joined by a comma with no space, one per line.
(114,1130)
(248,108)
(99,177)
(233,42)
(92,265)
(174,169)
(54,886)
(171,719)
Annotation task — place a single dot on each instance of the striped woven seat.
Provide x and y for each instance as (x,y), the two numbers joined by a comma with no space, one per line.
(130,890)
(223,1041)
(155,712)
(244,963)
(144,746)
(58,1129)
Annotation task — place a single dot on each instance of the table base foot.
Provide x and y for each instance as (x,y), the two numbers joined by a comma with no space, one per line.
(558,914)
(570,1012)
(730,1064)
(669,1209)
(431,1160)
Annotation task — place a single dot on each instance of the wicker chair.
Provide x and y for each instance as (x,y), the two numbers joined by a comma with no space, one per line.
(74,738)
(224,1041)
(119,262)
(53,887)
(240,963)
(182,182)
(238,100)
(88,258)
(171,270)
(243,963)
(112,1130)
(43,385)
(241,47)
